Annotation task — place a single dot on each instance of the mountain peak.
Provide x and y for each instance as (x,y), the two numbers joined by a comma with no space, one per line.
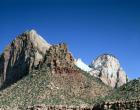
(33,31)
(106,56)
(109,70)
(37,41)
(24,53)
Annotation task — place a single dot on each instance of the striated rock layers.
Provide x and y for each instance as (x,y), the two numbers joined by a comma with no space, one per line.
(19,57)
(108,69)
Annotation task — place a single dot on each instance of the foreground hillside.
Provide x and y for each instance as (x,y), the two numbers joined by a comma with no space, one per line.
(129,91)
(32,94)
(127,97)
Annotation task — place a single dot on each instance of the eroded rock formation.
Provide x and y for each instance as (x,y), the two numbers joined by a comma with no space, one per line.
(19,57)
(108,69)
(59,59)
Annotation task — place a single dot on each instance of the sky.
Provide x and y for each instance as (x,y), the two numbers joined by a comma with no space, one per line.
(89,27)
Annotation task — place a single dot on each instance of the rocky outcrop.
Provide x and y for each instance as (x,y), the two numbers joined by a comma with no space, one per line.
(108,69)
(122,105)
(117,105)
(59,107)
(19,57)
(59,59)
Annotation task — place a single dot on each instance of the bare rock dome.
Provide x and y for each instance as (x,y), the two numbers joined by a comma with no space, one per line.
(108,69)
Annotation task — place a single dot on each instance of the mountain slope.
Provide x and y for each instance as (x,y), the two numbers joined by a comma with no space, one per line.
(56,80)
(126,97)
(44,88)
(129,91)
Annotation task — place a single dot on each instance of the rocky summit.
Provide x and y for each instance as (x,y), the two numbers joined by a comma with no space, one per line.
(36,75)
(108,69)
(20,56)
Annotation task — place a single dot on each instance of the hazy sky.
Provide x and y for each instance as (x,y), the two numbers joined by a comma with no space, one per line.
(90,28)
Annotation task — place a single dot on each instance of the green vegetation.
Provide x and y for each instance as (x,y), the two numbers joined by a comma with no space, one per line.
(43,87)
(129,91)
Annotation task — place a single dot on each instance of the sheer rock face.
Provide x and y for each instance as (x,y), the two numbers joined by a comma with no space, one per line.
(108,69)
(19,57)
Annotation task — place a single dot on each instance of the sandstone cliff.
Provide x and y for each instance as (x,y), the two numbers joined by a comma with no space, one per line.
(20,56)
(108,69)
